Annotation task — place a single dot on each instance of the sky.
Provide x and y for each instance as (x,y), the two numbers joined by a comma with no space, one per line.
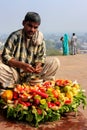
(57,16)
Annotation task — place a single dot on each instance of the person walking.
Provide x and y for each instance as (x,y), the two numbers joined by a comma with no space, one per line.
(24,54)
(73,44)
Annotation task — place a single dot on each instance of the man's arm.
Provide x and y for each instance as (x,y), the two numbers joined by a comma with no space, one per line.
(8,58)
(18,64)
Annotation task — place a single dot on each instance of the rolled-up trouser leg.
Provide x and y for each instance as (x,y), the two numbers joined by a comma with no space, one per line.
(8,75)
(50,68)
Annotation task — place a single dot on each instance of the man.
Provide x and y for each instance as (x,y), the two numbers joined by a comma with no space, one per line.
(73,44)
(24,54)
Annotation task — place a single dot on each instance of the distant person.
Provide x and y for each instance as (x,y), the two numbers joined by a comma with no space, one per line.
(65,44)
(24,54)
(73,44)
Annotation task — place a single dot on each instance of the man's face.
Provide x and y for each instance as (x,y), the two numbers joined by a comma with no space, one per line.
(30,28)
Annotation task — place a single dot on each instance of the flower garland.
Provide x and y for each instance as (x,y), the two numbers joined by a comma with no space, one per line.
(42,102)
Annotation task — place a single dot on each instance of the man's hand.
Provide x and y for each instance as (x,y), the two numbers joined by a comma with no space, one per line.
(38,68)
(25,66)
(28,68)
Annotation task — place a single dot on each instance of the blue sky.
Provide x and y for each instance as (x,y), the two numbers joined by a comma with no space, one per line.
(57,15)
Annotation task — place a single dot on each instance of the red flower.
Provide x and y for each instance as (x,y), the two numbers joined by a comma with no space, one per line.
(55,93)
(50,104)
(39,111)
(68,101)
(15,95)
(57,103)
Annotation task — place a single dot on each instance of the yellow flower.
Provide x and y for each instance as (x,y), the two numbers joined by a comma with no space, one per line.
(43,101)
(7,95)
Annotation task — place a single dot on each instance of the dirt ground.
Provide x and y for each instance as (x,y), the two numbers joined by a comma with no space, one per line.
(74,67)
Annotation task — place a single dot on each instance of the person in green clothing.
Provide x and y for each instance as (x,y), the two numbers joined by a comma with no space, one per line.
(65,44)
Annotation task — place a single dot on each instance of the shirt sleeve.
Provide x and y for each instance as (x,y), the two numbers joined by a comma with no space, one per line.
(7,53)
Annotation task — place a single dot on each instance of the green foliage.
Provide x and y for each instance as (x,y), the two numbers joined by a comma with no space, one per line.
(53,52)
(51,48)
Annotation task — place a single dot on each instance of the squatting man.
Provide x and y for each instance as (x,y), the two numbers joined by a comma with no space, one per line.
(24,54)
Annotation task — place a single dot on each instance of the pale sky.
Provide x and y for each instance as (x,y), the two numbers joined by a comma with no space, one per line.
(56,15)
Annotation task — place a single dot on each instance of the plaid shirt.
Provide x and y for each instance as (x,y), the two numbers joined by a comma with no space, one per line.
(22,49)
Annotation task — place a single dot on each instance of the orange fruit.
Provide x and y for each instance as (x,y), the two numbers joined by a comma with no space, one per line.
(7,95)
